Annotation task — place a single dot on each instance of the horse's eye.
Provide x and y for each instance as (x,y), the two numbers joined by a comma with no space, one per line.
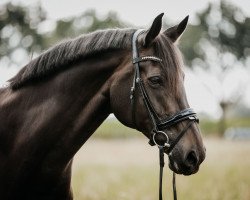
(155,80)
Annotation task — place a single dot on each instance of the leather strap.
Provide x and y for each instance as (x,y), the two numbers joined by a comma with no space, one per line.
(185,114)
(136,73)
(174,187)
(137,81)
(172,144)
(161,158)
(162,163)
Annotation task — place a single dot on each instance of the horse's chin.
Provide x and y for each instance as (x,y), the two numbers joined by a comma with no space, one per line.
(180,170)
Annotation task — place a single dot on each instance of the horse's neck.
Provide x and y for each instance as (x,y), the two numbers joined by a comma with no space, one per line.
(65,109)
(83,95)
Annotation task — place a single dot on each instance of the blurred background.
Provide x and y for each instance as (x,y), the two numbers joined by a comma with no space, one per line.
(216,50)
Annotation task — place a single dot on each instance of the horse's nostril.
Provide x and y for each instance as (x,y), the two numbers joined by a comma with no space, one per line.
(191,159)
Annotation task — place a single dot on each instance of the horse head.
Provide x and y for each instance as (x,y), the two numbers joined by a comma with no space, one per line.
(147,93)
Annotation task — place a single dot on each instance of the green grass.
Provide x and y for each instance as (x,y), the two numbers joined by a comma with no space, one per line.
(210,127)
(128,169)
(239,122)
(102,182)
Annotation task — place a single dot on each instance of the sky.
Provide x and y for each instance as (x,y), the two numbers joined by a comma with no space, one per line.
(141,13)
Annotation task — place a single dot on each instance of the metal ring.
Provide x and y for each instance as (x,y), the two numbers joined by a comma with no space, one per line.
(166,144)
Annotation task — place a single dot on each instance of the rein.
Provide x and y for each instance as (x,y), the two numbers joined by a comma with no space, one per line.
(159,125)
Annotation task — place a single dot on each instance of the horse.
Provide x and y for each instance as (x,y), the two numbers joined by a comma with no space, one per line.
(56,102)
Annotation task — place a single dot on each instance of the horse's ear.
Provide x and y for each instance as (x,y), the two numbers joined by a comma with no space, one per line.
(175,32)
(154,30)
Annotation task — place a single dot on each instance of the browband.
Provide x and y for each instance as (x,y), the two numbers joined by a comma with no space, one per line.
(146,58)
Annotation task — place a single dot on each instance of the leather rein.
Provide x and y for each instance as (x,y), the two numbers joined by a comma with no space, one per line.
(158,136)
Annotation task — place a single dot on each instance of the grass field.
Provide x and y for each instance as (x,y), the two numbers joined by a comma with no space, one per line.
(128,169)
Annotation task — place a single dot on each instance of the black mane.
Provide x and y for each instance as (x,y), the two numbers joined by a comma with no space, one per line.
(56,58)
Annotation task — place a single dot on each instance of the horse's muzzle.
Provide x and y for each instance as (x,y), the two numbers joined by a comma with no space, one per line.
(187,165)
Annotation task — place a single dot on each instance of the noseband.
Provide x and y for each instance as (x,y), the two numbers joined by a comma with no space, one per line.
(158,136)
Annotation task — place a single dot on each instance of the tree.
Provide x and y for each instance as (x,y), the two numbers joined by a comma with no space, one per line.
(18,31)
(87,22)
(219,44)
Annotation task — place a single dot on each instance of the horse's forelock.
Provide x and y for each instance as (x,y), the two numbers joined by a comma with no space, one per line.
(172,61)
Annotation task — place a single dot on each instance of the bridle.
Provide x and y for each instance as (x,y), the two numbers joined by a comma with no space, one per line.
(158,136)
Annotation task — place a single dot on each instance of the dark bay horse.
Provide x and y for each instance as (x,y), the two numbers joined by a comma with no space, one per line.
(57,101)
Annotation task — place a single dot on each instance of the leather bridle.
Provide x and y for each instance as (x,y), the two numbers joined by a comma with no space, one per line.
(158,136)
